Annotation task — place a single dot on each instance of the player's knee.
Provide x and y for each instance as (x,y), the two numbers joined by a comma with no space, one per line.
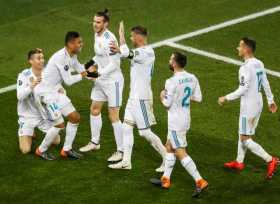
(95,111)
(168,147)
(61,126)
(56,140)
(74,117)
(25,149)
(114,115)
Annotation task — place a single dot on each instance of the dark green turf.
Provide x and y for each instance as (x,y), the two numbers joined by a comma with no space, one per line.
(213,135)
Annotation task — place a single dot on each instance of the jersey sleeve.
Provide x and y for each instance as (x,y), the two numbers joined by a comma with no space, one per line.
(196,95)
(23,89)
(169,93)
(244,83)
(267,89)
(78,66)
(113,58)
(66,75)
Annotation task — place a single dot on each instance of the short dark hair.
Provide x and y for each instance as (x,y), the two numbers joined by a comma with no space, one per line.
(71,35)
(250,42)
(104,14)
(180,59)
(140,30)
(33,52)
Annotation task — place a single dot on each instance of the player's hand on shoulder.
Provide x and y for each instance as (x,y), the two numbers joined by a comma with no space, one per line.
(35,82)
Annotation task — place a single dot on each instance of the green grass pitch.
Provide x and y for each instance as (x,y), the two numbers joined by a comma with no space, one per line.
(25,24)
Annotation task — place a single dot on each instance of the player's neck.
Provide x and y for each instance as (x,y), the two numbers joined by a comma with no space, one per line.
(69,52)
(249,56)
(101,32)
(178,70)
(36,72)
(143,44)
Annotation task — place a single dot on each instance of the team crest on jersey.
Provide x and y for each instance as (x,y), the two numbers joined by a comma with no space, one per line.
(66,67)
(19,82)
(136,52)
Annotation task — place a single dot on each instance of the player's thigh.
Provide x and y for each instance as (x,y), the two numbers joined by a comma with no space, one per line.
(177,139)
(143,114)
(128,114)
(25,143)
(97,93)
(248,124)
(114,92)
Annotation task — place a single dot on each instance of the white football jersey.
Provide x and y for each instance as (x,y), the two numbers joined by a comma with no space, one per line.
(107,61)
(141,71)
(252,78)
(26,106)
(180,90)
(58,70)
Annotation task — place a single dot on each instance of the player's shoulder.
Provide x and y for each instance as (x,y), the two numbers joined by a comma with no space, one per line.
(253,62)
(190,76)
(148,50)
(58,56)
(26,72)
(108,35)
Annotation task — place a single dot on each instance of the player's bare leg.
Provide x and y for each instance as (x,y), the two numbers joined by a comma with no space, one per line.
(117,127)
(25,143)
(95,126)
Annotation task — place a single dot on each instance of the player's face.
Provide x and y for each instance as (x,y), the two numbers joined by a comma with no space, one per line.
(242,49)
(76,45)
(171,62)
(136,39)
(37,61)
(99,24)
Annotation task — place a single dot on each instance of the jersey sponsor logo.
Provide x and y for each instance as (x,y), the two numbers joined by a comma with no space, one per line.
(66,67)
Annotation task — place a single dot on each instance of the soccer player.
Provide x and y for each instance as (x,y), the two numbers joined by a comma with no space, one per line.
(252,79)
(182,88)
(139,110)
(56,104)
(29,115)
(108,87)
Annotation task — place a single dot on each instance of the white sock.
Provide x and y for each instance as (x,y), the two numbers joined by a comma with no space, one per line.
(241,151)
(190,166)
(71,131)
(155,141)
(117,126)
(257,150)
(170,160)
(49,138)
(128,141)
(95,126)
